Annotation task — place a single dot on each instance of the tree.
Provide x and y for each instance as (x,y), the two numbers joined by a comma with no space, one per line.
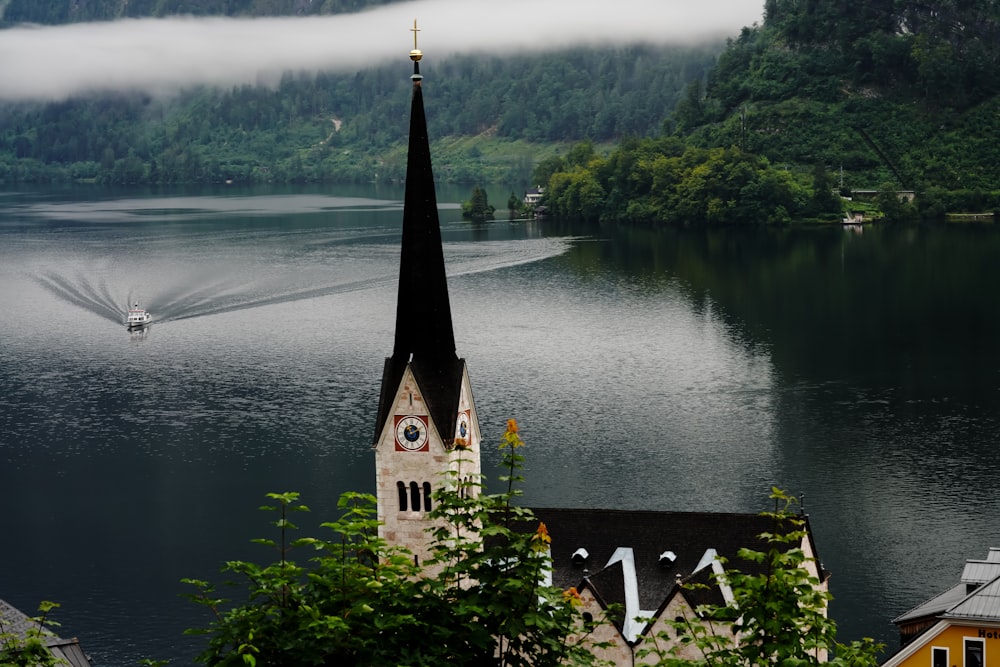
(359,602)
(894,209)
(546,168)
(776,616)
(580,154)
(690,110)
(824,200)
(478,207)
(513,204)
(28,648)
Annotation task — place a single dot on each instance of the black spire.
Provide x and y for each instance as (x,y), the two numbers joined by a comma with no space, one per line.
(423,312)
(424,336)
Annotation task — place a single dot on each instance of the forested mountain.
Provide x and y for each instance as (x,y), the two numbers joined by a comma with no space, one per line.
(890,90)
(492,117)
(349,127)
(888,95)
(54,12)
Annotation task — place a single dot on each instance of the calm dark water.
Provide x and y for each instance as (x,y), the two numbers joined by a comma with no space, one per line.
(678,369)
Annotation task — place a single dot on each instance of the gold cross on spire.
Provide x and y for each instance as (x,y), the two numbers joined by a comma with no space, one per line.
(415,54)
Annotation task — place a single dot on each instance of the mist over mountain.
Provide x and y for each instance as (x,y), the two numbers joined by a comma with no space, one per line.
(892,93)
(103,94)
(54,13)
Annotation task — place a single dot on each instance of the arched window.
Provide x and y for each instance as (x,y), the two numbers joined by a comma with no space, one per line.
(427,496)
(414,496)
(401,488)
(468,487)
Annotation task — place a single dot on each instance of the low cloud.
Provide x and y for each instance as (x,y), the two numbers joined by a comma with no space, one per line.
(165,55)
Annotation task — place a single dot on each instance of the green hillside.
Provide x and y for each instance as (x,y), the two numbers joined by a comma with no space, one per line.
(886,94)
(891,90)
(493,119)
(55,12)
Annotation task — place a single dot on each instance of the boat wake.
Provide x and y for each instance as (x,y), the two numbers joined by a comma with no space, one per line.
(484,256)
(204,302)
(95,298)
(206,295)
(180,302)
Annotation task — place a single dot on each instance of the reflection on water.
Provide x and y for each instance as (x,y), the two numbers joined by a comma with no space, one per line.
(164,209)
(680,369)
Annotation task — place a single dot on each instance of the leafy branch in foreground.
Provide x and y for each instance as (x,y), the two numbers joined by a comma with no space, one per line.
(776,614)
(480,600)
(28,648)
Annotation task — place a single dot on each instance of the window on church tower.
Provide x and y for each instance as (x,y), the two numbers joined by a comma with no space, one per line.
(401,488)
(427,496)
(414,496)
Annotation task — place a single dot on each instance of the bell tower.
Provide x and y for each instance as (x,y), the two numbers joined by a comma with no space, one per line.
(426,417)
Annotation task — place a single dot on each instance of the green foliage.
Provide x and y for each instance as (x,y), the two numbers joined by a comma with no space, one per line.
(315,612)
(776,616)
(660,180)
(546,168)
(478,207)
(356,601)
(893,208)
(328,126)
(54,12)
(886,91)
(29,649)
(513,204)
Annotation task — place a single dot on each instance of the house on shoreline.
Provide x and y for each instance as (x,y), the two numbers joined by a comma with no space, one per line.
(960,626)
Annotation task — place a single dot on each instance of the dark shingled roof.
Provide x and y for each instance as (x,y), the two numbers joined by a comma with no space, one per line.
(649,534)
(424,335)
(19,624)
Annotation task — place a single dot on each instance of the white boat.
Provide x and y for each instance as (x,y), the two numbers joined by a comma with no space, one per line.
(137,317)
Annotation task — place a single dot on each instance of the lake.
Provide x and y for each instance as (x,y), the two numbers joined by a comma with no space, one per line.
(676,369)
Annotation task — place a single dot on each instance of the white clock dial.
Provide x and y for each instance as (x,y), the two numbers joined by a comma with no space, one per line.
(411,433)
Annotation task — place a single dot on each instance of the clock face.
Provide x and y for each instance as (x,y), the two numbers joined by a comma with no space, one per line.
(411,433)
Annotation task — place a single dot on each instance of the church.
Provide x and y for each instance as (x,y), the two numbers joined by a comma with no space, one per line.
(636,560)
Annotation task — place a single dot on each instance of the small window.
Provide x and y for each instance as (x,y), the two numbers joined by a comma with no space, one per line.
(401,489)
(414,496)
(974,653)
(427,496)
(939,657)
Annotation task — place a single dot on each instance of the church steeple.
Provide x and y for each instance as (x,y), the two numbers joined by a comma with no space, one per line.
(423,289)
(424,337)
(427,423)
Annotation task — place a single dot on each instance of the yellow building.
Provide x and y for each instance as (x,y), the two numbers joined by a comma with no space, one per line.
(958,628)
